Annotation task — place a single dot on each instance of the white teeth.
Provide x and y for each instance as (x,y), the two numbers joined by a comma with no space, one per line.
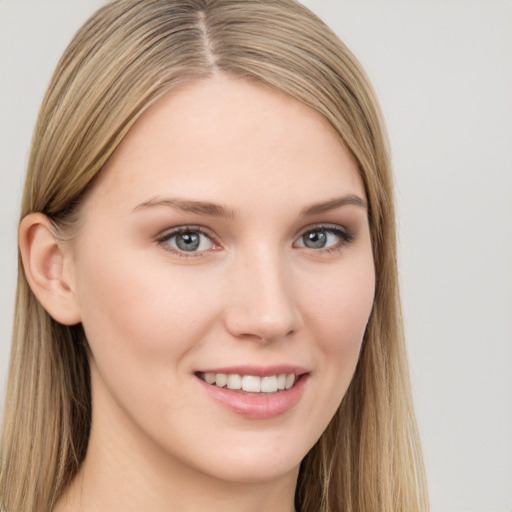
(221,380)
(210,378)
(234,381)
(269,384)
(251,383)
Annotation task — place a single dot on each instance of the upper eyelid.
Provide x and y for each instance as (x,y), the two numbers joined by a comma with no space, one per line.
(186,227)
(211,233)
(327,226)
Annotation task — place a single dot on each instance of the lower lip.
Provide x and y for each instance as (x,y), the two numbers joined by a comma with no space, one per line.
(257,407)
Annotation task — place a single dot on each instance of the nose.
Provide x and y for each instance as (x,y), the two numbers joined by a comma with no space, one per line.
(262,302)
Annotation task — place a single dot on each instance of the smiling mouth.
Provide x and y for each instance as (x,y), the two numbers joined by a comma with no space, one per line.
(250,383)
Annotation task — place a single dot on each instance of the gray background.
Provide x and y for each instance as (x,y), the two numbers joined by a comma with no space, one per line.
(443,71)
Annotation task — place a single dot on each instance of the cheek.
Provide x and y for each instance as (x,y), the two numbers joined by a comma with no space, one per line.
(340,303)
(339,309)
(133,312)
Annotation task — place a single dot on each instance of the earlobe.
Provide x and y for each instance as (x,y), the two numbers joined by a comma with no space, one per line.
(44,259)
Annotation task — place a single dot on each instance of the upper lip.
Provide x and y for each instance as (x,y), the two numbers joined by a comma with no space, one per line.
(256,370)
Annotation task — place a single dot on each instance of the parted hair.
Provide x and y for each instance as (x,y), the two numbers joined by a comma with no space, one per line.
(124,59)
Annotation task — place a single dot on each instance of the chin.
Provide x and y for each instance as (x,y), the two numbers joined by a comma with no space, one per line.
(259,472)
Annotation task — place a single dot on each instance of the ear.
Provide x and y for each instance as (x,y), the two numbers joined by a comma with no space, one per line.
(49,268)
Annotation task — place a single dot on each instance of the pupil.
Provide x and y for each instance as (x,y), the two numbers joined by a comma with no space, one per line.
(315,239)
(188,241)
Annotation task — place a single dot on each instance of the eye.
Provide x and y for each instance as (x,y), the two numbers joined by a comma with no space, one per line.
(187,240)
(324,238)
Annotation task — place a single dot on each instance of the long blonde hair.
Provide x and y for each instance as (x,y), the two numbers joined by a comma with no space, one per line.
(126,57)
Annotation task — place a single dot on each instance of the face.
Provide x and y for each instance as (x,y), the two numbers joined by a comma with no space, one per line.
(224,276)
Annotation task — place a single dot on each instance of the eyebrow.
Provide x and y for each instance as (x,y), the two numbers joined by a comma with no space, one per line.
(333,204)
(189,206)
(208,208)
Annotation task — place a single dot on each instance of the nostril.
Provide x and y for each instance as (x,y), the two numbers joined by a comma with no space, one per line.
(263,332)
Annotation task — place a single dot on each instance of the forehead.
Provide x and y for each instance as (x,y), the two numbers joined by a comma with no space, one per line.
(210,137)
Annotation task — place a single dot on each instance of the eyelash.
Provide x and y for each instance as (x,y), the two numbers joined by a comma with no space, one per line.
(345,238)
(184,229)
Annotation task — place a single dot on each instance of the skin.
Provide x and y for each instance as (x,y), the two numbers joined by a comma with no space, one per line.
(253,293)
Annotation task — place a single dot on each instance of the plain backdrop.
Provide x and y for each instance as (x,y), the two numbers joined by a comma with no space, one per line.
(443,72)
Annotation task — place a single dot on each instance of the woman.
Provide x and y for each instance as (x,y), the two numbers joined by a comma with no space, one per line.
(208,311)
